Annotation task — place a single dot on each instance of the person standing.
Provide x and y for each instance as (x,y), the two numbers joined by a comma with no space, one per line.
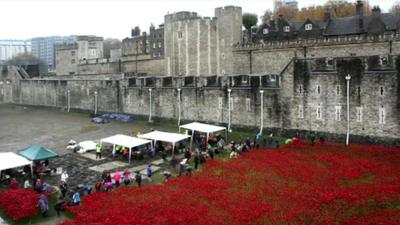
(117,178)
(14,184)
(149,173)
(127,179)
(196,159)
(43,205)
(138,178)
(63,188)
(27,184)
(182,166)
(98,151)
(64,176)
(76,198)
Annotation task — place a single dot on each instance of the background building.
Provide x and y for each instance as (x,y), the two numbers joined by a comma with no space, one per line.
(10,48)
(43,48)
(69,55)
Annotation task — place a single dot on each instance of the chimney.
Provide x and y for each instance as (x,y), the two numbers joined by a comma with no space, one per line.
(360,8)
(376,11)
(135,32)
(272,25)
(327,15)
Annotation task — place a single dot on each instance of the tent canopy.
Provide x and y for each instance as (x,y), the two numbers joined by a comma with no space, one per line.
(37,152)
(202,127)
(9,160)
(165,136)
(125,140)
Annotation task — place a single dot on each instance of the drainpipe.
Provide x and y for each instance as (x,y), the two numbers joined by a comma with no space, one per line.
(262,111)
(229,110)
(68,100)
(95,102)
(179,106)
(348,77)
(150,106)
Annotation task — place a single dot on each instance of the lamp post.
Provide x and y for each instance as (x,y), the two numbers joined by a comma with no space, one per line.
(95,102)
(348,77)
(150,105)
(179,106)
(229,110)
(262,111)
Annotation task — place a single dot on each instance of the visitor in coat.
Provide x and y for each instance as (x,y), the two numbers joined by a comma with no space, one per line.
(138,179)
(14,184)
(76,198)
(117,178)
(149,172)
(127,178)
(64,176)
(43,205)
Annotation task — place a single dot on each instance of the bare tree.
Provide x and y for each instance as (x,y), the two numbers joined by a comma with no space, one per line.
(26,59)
(395,8)
(267,16)
(109,44)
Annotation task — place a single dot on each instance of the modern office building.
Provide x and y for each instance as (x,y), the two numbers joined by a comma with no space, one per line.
(11,48)
(44,48)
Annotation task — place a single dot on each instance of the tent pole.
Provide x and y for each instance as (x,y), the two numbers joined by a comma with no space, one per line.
(191,139)
(173,150)
(113,152)
(32,171)
(208,134)
(130,155)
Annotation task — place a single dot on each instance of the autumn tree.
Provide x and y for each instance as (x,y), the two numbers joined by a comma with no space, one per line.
(286,11)
(395,8)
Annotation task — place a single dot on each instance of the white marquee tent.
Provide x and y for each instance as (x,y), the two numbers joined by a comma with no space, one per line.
(9,160)
(165,137)
(126,141)
(202,127)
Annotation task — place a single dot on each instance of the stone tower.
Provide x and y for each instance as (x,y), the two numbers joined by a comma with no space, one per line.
(196,46)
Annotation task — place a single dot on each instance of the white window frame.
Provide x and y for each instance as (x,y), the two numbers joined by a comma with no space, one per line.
(308,26)
(338,113)
(286,29)
(359,113)
(382,115)
(300,112)
(265,31)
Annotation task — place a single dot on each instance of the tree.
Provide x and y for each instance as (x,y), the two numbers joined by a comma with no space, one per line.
(25,59)
(267,16)
(286,11)
(395,8)
(109,44)
(249,20)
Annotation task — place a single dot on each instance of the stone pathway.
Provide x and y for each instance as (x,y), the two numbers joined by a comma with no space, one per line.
(108,166)
(92,157)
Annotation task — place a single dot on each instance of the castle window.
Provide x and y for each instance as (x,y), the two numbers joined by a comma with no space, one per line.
(154,45)
(382,115)
(308,26)
(337,89)
(159,44)
(286,29)
(73,61)
(300,89)
(381,91)
(338,112)
(300,112)
(72,53)
(319,113)
(248,104)
(359,114)
(220,102)
(359,91)
(180,35)
(265,31)
(318,89)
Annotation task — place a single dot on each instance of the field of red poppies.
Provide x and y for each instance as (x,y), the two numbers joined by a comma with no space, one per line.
(19,204)
(296,184)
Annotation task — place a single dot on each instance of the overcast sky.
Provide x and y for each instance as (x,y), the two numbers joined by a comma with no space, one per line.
(24,19)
